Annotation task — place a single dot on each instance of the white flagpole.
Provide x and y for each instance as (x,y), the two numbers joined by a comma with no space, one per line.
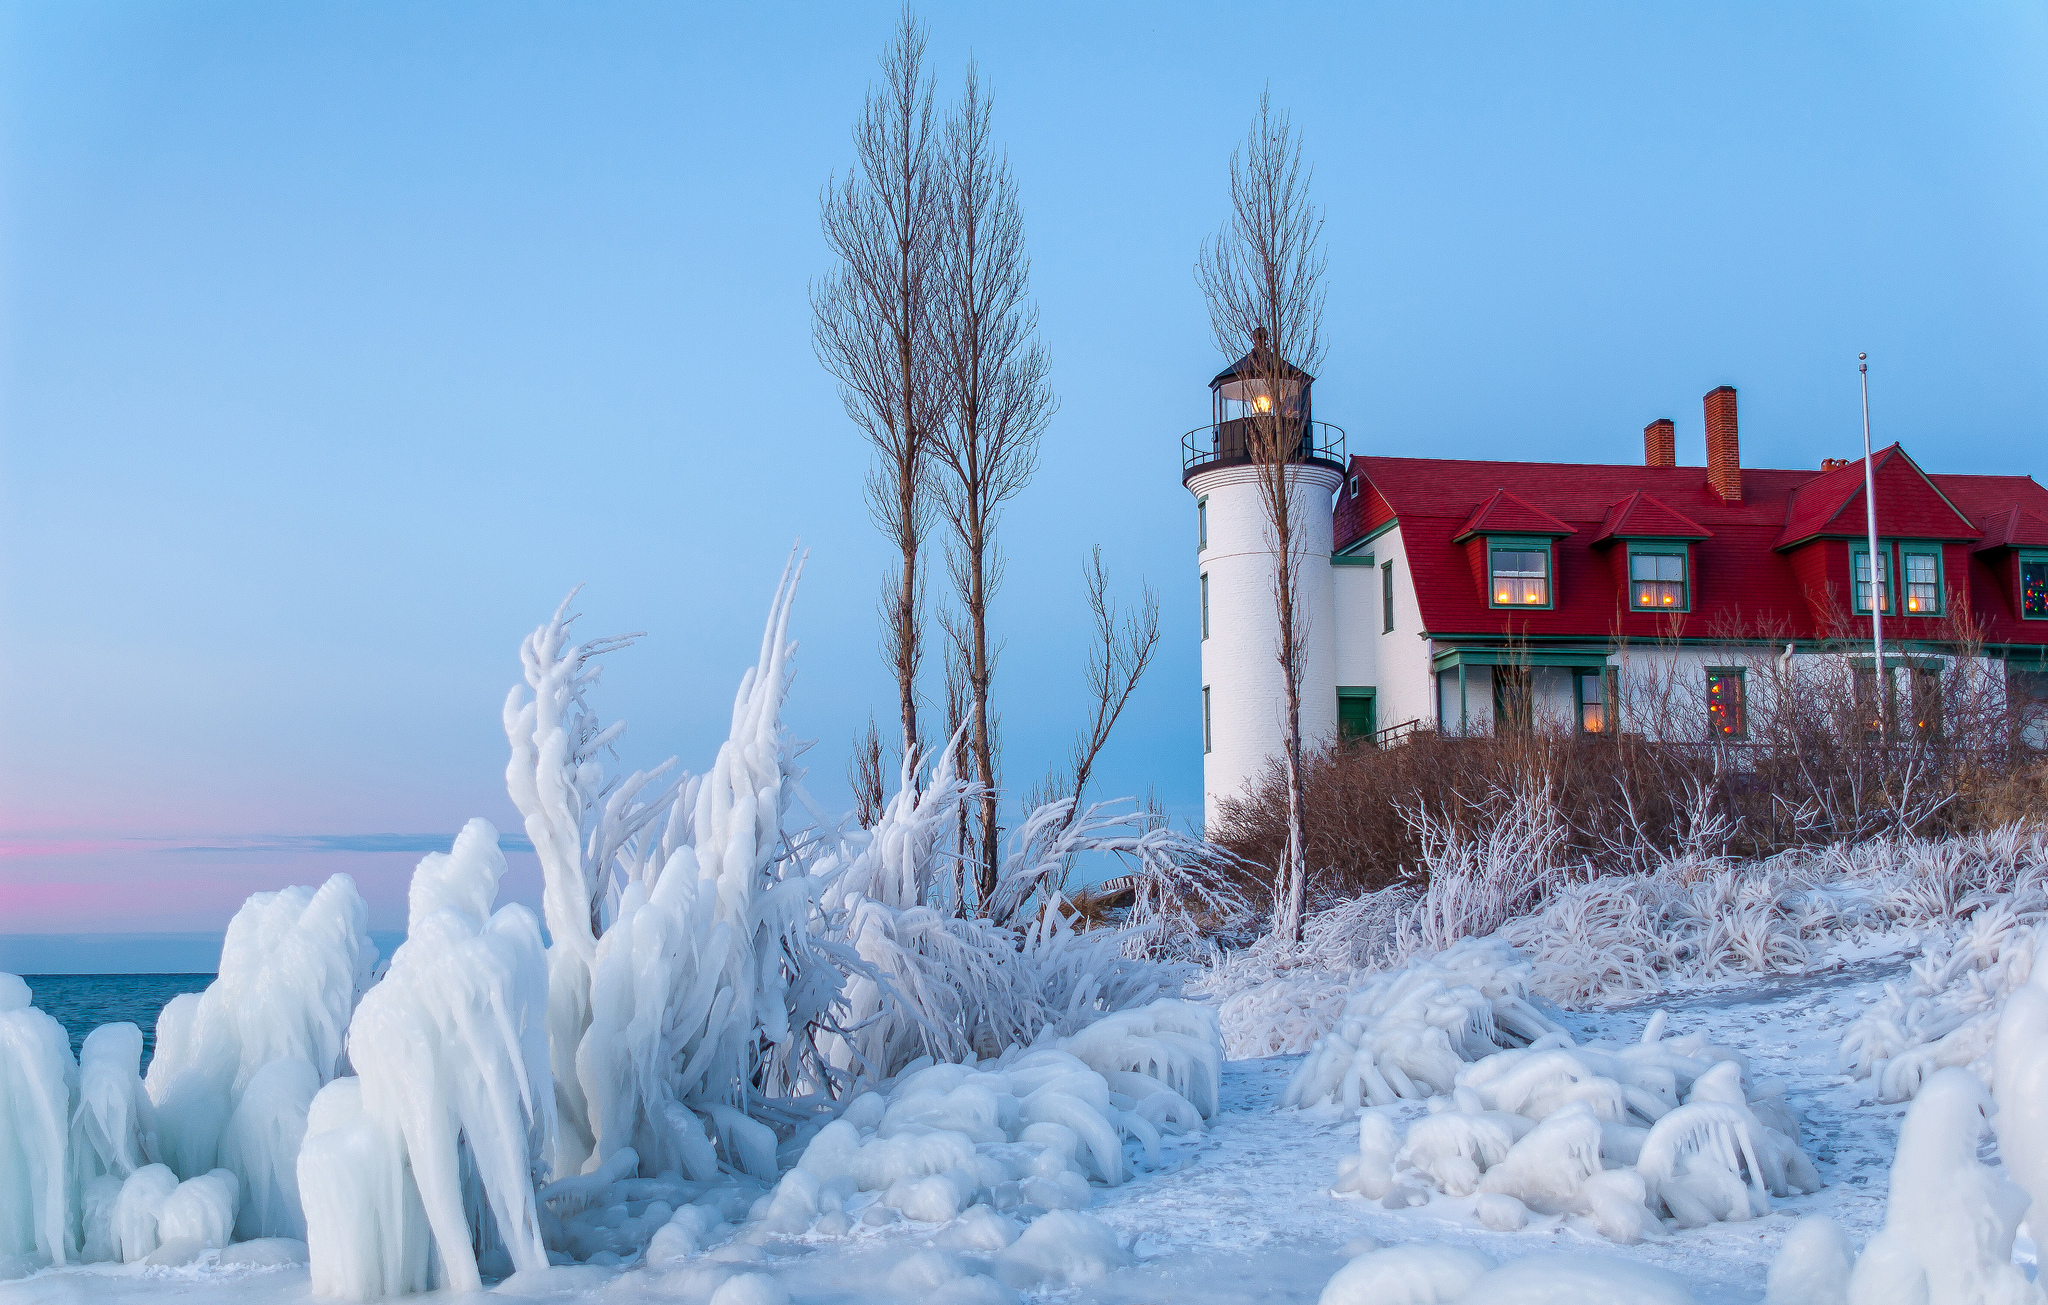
(1877,575)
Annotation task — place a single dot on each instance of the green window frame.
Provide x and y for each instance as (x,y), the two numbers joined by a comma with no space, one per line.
(1355,714)
(1655,584)
(1201,523)
(1727,702)
(1519,586)
(1920,576)
(1859,579)
(1206,738)
(1593,695)
(1387,597)
(2034,585)
(1205,604)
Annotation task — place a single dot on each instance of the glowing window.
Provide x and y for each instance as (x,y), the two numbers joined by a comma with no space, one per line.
(1923,582)
(1521,576)
(1656,581)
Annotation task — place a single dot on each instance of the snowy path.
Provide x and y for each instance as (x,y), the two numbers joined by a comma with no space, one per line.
(1243,1213)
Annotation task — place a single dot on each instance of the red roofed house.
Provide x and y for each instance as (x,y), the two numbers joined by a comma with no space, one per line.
(1450,579)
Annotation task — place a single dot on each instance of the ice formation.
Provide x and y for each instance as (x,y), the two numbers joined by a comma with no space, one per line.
(439,1138)
(1438,1274)
(1407,1032)
(292,967)
(1620,1134)
(37,1076)
(1946,1012)
(1812,1266)
(1028,1130)
(1949,1222)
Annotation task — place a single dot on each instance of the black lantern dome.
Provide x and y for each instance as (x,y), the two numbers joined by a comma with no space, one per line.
(1247,388)
(1247,397)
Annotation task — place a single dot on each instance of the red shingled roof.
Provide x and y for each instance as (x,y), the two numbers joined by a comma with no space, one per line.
(1504,514)
(1774,564)
(2013,528)
(1640,516)
(1910,505)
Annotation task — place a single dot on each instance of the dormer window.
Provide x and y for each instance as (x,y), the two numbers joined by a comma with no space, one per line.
(1657,580)
(1354,487)
(1519,571)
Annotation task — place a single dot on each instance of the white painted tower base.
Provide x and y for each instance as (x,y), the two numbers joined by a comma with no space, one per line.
(1244,693)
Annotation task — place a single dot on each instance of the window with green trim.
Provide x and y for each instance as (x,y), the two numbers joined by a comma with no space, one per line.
(1519,572)
(1595,701)
(1205,604)
(1205,718)
(1387,597)
(1201,524)
(1859,570)
(1657,580)
(1727,703)
(1920,568)
(2034,586)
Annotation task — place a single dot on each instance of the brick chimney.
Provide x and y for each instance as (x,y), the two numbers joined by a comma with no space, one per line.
(1724,458)
(1660,444)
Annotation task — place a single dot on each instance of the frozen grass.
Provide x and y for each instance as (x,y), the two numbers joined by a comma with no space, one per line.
(1618,939)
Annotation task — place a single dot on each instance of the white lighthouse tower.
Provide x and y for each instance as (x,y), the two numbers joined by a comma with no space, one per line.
(1244,698)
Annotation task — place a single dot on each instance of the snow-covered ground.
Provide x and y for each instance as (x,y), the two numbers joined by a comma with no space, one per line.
(1244,1210)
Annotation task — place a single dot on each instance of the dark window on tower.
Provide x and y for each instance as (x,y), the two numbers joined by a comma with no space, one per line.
(1387,595)
(1205,718)
(1205,604)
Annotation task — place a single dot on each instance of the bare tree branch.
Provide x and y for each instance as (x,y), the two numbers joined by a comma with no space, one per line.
(999,403)
(873,324)
(1262,276)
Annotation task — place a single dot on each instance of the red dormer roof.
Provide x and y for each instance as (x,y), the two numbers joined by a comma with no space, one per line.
(2012,528)
(1504,514)
(1639,516)
(1909,504)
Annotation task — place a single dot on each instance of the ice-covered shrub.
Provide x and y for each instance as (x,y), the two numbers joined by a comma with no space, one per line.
(292,967)
(1027,1129)
(1617,1133)
(37,1076)
(1406,1033)
(1950,1220)
(439,1139)
(1434,1274)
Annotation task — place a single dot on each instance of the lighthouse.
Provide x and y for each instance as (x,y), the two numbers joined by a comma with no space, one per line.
(1244,699)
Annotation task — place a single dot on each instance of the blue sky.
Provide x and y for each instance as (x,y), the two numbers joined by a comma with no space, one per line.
(337,342)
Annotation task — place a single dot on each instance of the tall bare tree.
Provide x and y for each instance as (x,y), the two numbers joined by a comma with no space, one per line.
(999,403)
(873,325)
(1262,275)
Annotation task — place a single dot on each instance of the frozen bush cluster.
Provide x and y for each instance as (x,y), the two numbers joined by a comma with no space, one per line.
(1618,939)
(97,1163)
(1524,1122)
(725,971)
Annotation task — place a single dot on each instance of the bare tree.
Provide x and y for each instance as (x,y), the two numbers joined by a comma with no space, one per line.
(1262,276)
(1122,649)
(999,403)
(864,774)
(873,325)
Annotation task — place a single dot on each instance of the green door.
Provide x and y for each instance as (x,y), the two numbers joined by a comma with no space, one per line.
(1354,714)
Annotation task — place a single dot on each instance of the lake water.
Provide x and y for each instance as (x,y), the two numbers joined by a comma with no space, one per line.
(83,1002)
